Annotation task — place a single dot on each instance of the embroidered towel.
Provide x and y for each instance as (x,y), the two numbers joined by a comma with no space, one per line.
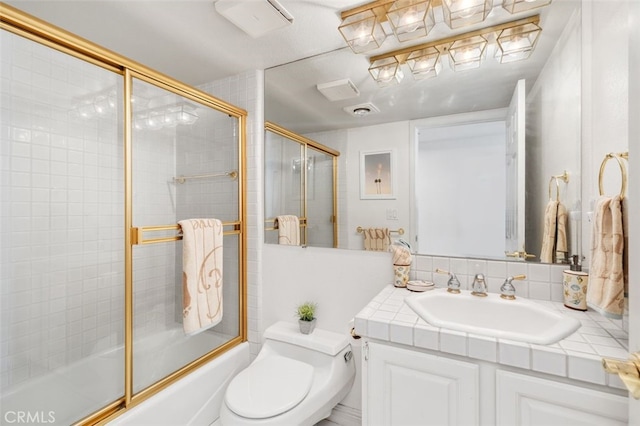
(605,293)
(288,227)
(377,239)
(554,243)
(201,274)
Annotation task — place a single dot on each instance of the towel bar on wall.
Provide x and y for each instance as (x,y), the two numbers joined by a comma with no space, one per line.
(399,231)
(619,156)
(563,177)
(302,220)
(182,179)
(137,233)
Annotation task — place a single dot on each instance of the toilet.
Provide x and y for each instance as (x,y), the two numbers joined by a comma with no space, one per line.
(296,379)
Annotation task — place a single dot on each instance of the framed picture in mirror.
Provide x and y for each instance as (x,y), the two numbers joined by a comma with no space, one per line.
(377,180)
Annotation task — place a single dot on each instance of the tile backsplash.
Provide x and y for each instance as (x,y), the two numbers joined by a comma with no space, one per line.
(543,282)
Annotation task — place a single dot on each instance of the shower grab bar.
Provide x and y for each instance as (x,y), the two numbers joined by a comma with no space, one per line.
(623,171)
(137,233)
(303,223)
(182,179)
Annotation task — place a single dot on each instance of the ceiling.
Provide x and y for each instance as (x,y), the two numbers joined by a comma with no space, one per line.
(190,41)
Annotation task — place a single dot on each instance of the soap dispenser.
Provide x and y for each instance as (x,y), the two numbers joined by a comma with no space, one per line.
(575,282)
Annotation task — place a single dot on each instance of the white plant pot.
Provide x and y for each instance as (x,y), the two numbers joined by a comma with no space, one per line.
(306,327)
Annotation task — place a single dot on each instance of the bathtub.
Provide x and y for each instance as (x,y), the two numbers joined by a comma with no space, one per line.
(54,398)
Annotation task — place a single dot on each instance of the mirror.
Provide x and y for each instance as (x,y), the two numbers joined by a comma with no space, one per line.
(300,205)
(412,110)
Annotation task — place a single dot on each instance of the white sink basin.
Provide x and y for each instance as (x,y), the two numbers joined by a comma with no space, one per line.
(520,319)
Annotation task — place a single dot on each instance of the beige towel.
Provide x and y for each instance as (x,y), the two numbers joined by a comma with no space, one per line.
(605,293)
(201,274)
(288,227)
(401,255)
(377,239)
(554,237)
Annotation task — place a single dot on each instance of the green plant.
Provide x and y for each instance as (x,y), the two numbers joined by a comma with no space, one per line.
(306,311)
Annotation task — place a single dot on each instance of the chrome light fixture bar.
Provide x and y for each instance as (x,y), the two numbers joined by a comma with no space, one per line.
(515,39)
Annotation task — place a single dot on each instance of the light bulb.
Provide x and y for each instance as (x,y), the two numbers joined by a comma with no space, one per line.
(362,35)
(410,20)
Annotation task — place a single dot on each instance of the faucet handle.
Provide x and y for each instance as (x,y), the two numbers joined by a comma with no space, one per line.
(507,290)
(453,285)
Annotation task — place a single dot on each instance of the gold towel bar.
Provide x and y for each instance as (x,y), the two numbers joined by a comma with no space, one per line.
(137,233)
(563,177)
(182,179)
(400,231)
(303,223)
(623,171)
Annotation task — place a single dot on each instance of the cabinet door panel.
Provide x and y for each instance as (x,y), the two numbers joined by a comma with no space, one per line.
(412,388)
(528,401)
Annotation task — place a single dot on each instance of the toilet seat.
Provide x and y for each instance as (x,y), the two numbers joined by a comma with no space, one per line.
(269,387)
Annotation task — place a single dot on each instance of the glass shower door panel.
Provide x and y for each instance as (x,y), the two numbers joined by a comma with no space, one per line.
(320,199)
(284,176)
(185,166)
(62,239)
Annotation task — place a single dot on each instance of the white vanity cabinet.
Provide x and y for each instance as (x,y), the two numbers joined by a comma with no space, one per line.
(528,401)
(407,387)
(404,386)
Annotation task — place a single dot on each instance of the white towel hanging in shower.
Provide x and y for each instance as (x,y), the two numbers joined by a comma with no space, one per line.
(201,274)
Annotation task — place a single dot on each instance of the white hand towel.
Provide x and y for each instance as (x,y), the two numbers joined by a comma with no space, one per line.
(288,227)
(201,274)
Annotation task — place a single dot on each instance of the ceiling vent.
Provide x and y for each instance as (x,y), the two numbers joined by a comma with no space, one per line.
(255,17)
(361,110)
(339,90)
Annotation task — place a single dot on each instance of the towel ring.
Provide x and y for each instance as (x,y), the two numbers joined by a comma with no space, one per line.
(564,177)
(623,171)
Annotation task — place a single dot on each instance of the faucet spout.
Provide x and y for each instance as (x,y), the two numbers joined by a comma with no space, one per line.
(479,286)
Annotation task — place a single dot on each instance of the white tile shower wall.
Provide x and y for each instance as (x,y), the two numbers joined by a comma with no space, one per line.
(246,91)
(154,203)
(543,282)
(61,217)
(210,147)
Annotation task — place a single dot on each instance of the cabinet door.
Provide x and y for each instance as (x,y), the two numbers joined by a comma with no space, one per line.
(527,401)
(406,387)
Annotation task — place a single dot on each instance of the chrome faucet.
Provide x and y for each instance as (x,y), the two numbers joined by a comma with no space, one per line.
(453,285)
(479,286)
(507,290)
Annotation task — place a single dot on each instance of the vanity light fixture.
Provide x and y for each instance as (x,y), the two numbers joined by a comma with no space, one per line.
(386,71)
(467,53)
(362,28)
(461,13)
(515,6)
(411,19)
(362,31)
(515,41)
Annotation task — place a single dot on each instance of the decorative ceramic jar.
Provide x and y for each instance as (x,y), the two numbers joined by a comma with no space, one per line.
(575,289)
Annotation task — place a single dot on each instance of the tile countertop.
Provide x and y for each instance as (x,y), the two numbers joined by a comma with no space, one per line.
(578,357)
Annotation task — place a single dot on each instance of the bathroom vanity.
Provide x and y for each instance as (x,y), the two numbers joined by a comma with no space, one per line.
(415,373)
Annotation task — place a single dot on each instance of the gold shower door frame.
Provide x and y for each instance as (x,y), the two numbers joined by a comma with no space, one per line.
(27,26)
(304,143)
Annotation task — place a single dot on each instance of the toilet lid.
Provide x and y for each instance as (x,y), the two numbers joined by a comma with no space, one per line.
(269,387)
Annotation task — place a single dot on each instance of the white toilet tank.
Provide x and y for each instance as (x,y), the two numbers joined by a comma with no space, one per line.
(295,379)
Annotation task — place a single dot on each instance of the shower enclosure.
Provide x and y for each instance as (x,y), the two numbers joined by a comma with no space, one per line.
(101,157)
(301,177)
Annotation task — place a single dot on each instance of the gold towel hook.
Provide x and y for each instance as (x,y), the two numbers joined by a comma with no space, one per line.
(623,171)
(563,177)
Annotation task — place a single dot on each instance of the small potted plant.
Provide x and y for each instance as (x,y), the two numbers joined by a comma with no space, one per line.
(306,317)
